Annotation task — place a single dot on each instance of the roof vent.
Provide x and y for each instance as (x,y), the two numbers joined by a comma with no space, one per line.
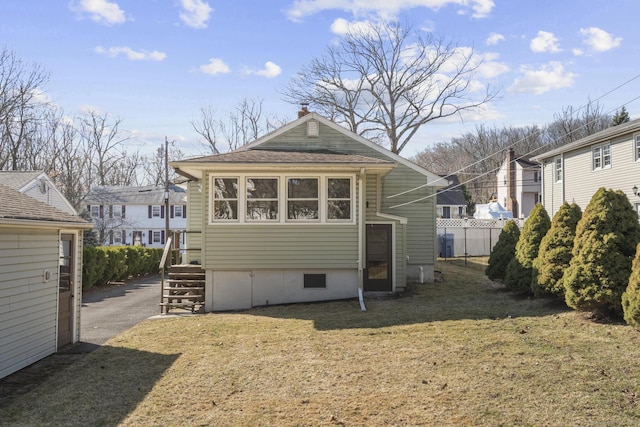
(313,128)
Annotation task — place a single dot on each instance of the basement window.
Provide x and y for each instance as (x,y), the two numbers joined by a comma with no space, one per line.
(315,281)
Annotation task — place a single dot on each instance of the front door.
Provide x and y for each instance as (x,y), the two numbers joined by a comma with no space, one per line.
(65,289)
(378,272)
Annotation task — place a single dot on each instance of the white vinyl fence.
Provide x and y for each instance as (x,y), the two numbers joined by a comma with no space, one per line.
(458,237)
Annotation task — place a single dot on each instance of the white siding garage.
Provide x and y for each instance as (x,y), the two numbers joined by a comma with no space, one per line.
(35,272)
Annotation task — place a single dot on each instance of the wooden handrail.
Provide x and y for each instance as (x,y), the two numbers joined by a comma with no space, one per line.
(167,250)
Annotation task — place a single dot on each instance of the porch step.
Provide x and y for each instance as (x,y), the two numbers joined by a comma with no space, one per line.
(184,288)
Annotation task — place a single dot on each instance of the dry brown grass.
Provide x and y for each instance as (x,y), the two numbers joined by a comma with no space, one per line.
(462,352)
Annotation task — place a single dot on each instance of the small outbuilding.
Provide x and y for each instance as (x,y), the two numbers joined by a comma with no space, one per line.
(40,279)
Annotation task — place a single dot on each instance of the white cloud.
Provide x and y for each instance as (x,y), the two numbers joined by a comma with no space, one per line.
(195,13)
(215,66)
(100,11)
(341,27)
(599,40)
(132,55)
(490,67)
(387,9)
(269,71)
(494,38)
(545,42)
(548,77)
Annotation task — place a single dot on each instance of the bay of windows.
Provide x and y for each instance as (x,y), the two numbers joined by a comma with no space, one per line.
(284,199)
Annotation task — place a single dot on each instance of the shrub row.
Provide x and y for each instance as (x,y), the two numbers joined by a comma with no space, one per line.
(104,264)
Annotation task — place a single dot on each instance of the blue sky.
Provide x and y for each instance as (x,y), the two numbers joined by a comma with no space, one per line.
(156,63)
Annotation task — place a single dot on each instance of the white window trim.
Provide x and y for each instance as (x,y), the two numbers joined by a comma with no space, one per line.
(153,211)
(177,208)
(322,177)
(352,190)
(602,157)
(636,147)
(555,169)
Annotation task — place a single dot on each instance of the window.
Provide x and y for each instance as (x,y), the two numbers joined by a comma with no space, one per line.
(535,176)
(155,211)
(95,211)
(225,199)
(117,236)
(460,211)
(302,199)
(177,211)
(601,156)
(157,237)
(339,199)
(637,146)
(557,169)
(315,280)
(446,212)
(262,199)
(117,211)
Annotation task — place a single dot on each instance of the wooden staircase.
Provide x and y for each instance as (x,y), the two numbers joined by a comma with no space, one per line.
(184,289)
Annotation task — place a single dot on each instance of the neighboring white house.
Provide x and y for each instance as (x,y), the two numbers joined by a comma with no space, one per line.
(40,279)
(519,185)
(136,215)
(450,201)
(37,185)
(609,158)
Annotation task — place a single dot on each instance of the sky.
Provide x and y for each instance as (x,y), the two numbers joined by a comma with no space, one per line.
(154,64)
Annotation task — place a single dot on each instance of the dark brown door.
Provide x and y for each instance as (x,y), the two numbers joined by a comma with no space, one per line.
(378,272)
(65,290)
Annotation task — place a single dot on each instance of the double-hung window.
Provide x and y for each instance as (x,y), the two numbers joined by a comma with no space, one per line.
(338,199)
(225,199)
(557,170)
(637,146)
(601,156)
(262,199)
(303,199)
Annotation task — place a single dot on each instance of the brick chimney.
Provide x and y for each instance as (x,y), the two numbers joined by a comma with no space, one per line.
(512,202)
(303,109)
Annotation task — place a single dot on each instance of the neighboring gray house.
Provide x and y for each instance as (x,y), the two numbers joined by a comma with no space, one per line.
(308,212)
(136,215)
(519,185)
(37,185)
(609,158)
(451,202)
(40,279)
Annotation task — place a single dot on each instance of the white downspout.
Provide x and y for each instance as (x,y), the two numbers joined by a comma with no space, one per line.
(361,225)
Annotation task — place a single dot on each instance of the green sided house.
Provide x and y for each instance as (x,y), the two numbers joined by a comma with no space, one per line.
(40,279)
(309,212)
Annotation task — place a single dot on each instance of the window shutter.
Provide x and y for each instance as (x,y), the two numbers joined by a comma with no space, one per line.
(124,237)
(150,236)
(184,211)
(171,211)
(162,237)
(162,211)
(123,209)
(111,237)
(149,211)
(101,211)
(110,211)
(89,209)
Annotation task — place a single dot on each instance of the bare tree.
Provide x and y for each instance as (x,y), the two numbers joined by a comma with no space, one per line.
(154,166)
(20,85)
(388,79)
(104,145)
(240,126)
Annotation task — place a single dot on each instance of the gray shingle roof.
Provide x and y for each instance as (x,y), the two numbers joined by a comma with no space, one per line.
(451,195)
(17,206)
(18,179)
(282,156)
(145,195)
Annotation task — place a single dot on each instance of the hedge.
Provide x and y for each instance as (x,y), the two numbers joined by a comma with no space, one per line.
(104,264)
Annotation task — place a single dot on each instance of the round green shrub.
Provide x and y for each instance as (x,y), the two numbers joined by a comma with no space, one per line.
(555,251)
(605,243)
(503,251)
(631,297)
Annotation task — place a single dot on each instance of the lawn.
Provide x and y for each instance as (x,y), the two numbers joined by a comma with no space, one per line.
(461,352)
